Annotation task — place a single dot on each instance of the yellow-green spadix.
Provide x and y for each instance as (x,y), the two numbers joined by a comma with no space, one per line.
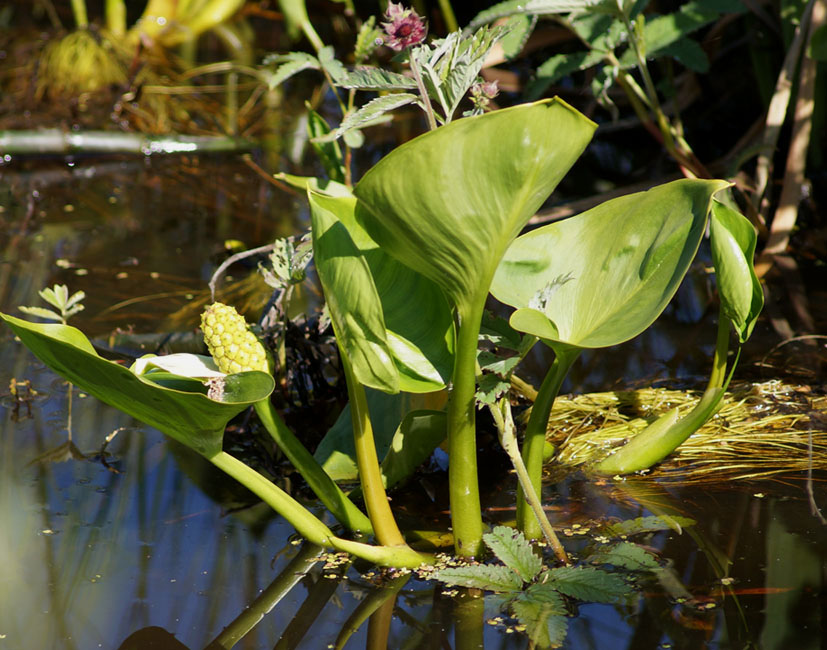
(230,342)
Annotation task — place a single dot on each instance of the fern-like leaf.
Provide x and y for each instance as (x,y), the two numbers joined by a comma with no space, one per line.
(42,312)
(528,7)
(589,584)
(291,64)
(376,79)
(369,113)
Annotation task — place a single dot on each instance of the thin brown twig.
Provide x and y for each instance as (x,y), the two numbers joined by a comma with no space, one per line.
(778,110)
(787,212)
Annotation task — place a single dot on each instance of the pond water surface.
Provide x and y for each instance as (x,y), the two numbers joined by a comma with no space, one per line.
(146,547)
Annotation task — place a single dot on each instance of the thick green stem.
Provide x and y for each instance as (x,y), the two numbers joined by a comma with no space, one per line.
(373,490)
(307,525)
(535,436)
(719,360)
(116,17)
(401,557)
(466,513)
(79,12)
(322,485)
(448,15)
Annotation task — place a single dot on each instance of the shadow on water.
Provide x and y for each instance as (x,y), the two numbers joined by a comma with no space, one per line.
(140,546)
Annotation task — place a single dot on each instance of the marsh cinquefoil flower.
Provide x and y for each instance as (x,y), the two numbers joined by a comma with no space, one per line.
(405,28)
(483,92)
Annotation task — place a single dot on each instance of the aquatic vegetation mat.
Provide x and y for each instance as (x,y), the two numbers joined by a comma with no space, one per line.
(762,429)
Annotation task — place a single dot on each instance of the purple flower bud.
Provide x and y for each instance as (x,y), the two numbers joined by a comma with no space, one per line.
(404,29)
(485,90)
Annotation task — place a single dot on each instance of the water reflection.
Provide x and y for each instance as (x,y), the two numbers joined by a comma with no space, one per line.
(143,546)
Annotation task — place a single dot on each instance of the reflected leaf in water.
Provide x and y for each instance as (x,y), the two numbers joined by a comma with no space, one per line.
(152,638)
(66,451)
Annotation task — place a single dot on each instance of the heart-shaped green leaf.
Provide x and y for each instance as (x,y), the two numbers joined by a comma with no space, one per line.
(449,202)
(604,276)
(390,302)
(184,413)
(732,239)
(354,305)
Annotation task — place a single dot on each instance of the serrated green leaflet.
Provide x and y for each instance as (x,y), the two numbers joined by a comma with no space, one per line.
(369,114)
(531,7)
(542,610)
(448,203)
(481,576)
(589,584)
(623,260)
(626,555)
(191,418)
(513,550)
(647,524)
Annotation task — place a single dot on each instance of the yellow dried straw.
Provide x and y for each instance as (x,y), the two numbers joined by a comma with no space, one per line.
(761,430)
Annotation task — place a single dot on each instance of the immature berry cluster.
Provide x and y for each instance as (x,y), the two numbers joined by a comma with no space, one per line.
(233,346)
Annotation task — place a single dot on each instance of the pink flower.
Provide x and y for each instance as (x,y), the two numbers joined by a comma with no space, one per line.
(404,29)
(483,92)
(486,89)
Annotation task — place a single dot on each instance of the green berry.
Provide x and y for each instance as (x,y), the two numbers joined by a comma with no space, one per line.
(230,342)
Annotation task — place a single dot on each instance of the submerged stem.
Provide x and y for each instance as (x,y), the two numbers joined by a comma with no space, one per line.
(535,436)
(373,490)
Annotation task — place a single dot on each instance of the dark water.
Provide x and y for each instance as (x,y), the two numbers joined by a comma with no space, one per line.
(152,544)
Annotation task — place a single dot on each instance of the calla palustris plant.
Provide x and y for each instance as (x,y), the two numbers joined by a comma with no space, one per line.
(602,278)
(448,204)
(187,410)
(732,242)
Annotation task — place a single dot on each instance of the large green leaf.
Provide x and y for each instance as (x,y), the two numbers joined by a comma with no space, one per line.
(733,238)
(604,276)
(354,305)
(448,203)
(184,412)
(419,325)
